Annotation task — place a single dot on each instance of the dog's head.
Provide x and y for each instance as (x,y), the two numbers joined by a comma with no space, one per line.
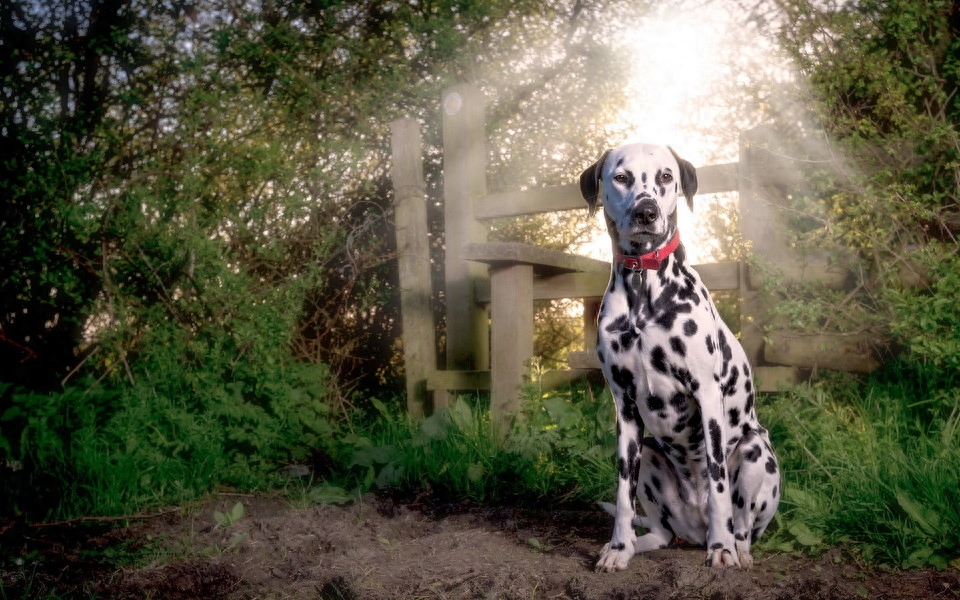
(639,186)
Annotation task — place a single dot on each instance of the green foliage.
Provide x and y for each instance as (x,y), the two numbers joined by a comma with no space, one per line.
(880,81)
(196,218)
(874,467)
(560,448)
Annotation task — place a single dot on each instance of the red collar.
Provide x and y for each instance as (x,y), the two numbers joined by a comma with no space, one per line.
(651,260)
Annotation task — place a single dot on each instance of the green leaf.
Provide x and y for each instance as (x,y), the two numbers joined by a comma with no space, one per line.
(923,516)
(329,494)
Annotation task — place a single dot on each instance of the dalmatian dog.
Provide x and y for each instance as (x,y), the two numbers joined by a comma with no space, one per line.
(706,473)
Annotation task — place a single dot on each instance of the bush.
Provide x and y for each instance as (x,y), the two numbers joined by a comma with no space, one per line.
(218,403)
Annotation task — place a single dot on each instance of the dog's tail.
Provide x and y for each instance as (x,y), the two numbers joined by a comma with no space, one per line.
(638,521)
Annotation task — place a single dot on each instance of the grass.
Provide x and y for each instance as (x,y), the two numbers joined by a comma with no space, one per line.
(870,463)
(873,465)
(559,448)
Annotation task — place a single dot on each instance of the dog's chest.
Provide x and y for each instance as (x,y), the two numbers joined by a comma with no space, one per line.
(652,340)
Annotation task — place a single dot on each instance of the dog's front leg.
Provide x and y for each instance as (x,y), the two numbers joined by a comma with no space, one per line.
(720,538)
(615,555)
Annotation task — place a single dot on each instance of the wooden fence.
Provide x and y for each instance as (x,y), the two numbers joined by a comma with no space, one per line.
(490,287)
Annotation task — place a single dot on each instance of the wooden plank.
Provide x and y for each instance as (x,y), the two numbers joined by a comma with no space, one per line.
(571,285)
(554,379)
(855,352)
(720,276)
(583,360)
(543,260)
(770,379)
(511,328)
(529,202)
(458,380)
(711,179)
(464,180)
(413,258)
(717,276)
(591,311)
(714,179)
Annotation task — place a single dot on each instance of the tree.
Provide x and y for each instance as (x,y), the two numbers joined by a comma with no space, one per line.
(142,142)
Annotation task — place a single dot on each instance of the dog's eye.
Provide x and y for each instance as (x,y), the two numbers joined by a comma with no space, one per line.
(665,178)
(620,178)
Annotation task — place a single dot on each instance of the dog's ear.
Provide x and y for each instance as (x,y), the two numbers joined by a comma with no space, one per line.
(688,178)
(590,183)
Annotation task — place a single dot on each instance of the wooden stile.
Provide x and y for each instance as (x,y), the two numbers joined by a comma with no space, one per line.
(491,352)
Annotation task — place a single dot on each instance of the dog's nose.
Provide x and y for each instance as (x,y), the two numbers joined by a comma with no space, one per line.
(646,212)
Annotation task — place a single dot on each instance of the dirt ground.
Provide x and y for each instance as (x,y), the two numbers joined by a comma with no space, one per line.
(379,548)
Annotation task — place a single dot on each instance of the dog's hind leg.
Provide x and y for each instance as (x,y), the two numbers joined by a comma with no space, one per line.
(756,491)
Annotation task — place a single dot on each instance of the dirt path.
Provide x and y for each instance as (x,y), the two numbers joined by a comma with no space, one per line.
(378,549)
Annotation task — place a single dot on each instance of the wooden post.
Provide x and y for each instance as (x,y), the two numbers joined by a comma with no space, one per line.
(591,310)
(464,182)
(511,312)
(413,250)
(758,227)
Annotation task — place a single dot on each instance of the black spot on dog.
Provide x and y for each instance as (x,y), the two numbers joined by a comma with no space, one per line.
(649,494)
(716,448)
(737,499)
(771,466)
(601,357)
(627,339)
(621,323)
(656,482)
(684,377)
(716,546)
(679,403)
(740,537)
(617,547)
(658,358)
(715,471)
(677,345)
(763,507)
(667,319)
(730,525)
(710,346)
(734,417)
(655,403)
(730,387)
(776,490)
(623,378)
(753,454)
(690,328)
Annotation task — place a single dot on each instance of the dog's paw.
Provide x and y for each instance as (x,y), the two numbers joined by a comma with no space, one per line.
(722,557)
(614,557)
(746,560)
